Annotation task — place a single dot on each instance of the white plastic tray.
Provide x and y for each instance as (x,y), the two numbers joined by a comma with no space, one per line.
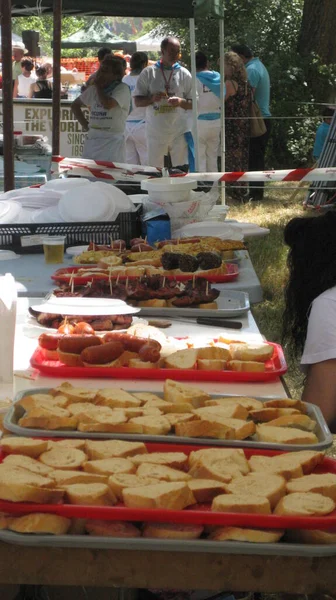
(230,304)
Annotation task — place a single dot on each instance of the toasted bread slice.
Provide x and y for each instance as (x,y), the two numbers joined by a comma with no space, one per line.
(50,422)
(41,523)
(117,398)
(162,472)
(175,460)
(297,421)
(21,445)
(174,496)
(111,427)
(239,503)
(232,455)
(23,492)
(239,534)
(119,481)
(205,490)
(287,403)
(153,425)
(249,366)
(108,466)
(324,484)
(264,415)
(64,458)
(64,478)
(242,429)
(248,403)
(205,428)
(205,364)
(90,494)
(182,359)
(172,531)
(213,353)
(272,487)
(74,394)
(146,397)
(67,443)
(175,418)
(285,435)
(27,463)
(231,411)
(181,393)
(119,529)
(305,504)
(280,465)
(311,536)
(249,352)
(113,449)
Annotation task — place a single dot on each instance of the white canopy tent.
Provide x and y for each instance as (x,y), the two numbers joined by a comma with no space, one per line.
(148,43)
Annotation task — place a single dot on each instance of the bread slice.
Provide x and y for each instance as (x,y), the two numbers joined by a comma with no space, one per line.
(63,478)
(231,411)
(287,403)
(23,492)
(48,411)
(249,366)
(21,445)
(231,455)
(12,473)
(213,353)
(220,469)
(178,407)
(324,484)
(248,403)
(175,460)
(264,415)
(153,425)
(42,400)
(67,443)
(63,458)
(130,413)
(111,427)
(205,364)
(205,490)
(240,534)
(173,496)
(285,435)
(119,481)
(108,466)
(117,398)
(118,529)
(90,494)
(146,397)
(50,422)
(159,403)
(162,472)
(27,463)
(306,504)
(91,412)
(308,459)
(175,418)
(311,536)
(242,429)
(239,503)
(205,428)
(249,352)
(42,523)
(113,449)
(280,465)
(181,393)
(182,359)
(172,531)
(272,487)
(297,421)
(73,393)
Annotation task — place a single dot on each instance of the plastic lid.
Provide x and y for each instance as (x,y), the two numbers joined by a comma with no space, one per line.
(85,306)
(168,184)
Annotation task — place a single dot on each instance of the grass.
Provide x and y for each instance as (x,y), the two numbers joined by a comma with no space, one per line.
(269,255)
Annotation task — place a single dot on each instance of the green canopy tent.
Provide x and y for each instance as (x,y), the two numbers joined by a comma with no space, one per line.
(95,36)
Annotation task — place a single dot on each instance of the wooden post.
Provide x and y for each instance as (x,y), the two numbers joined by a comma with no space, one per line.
(7,93)
(56,100)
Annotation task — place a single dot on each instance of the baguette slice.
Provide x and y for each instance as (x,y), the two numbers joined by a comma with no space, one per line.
(249,366)
(147,397)
(311,536)
(172,531)
(181,393)
(307,459)
(23,492)
(205,364)
(178,407)
(173,496)
(41,523)
(305,504)
(239,503)
(248,403)
(74,394)
(248,352)
(230,455)
(242,429)
(108,466)
(27,463)
(67,443)
(265,415)
(111,428)
(63,458)
(205,490)
(22,445)
(279,465)
(287,403)
(153,425)
(231,411)
(175,460)
(175,418)
(42,400)
(119,481)
(285,435)
(239,534)
(205,429)
(119,529)
(90,494)
(272,487)
(51,422)
(324,484)
(113,449)
(117,398)
(162,472)
(297,421)
(12,474)
(182,359)
(213,353)
(63,478)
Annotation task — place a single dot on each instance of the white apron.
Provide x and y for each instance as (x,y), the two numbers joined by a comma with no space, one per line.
(104,145)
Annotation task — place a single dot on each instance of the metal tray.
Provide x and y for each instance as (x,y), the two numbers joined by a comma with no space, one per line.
(230,304)
(16,412)
(144,544)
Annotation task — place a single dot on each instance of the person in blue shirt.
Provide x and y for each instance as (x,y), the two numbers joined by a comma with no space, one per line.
(259,80)
(322,132)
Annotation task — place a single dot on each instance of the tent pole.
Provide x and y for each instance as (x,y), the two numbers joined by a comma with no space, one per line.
(222,97)
(56,98)
(194,90)
(7,94)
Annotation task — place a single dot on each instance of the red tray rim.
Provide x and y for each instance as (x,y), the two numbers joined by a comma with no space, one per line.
(59,370)
(201,516)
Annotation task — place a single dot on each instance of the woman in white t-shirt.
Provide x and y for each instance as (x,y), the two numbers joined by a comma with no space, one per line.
(109,102)
(25,80)
(309,323)
(136,142)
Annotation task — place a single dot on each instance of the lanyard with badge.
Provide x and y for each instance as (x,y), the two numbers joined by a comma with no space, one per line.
(164,106)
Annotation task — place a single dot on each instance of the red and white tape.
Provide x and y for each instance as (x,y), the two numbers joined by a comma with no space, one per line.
(113,171)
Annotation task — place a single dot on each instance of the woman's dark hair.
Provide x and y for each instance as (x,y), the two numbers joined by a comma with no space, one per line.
(27,64)
(312,270)
(242,50)
(139,60)
(201,60)
(41,72)
(102,52)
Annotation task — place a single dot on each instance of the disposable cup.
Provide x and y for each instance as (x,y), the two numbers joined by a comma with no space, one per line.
(53,248)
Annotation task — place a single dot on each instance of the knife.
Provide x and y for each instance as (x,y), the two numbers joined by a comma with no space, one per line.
(211,321)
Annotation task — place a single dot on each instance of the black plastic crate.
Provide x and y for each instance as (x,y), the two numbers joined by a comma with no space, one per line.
(125,227)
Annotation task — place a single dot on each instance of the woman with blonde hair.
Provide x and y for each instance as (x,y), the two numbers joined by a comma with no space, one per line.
(238,98)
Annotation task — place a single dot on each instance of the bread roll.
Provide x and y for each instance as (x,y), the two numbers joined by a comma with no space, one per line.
(173,496)
(272,487)
(305,504)
(239,503)
(172,531)
(240,534)
(42,523)
(90,494)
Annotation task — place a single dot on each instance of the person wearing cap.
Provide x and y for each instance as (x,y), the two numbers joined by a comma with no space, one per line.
(208,108)
(259,80)
(18,54)
(24,80)
(165,90)
(136,143)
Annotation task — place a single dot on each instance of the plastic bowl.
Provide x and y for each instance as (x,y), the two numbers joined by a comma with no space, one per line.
(168,189)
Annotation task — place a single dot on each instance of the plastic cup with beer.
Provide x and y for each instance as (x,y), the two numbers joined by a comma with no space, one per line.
(53,248)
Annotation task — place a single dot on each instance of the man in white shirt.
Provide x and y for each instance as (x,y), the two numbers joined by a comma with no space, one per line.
(208,108)
(165,89)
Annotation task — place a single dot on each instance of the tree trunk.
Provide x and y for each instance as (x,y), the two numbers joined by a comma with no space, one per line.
(318,30)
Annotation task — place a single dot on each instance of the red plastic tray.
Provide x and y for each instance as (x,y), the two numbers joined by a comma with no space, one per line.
(200,514)
(274,368)
(62,275)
